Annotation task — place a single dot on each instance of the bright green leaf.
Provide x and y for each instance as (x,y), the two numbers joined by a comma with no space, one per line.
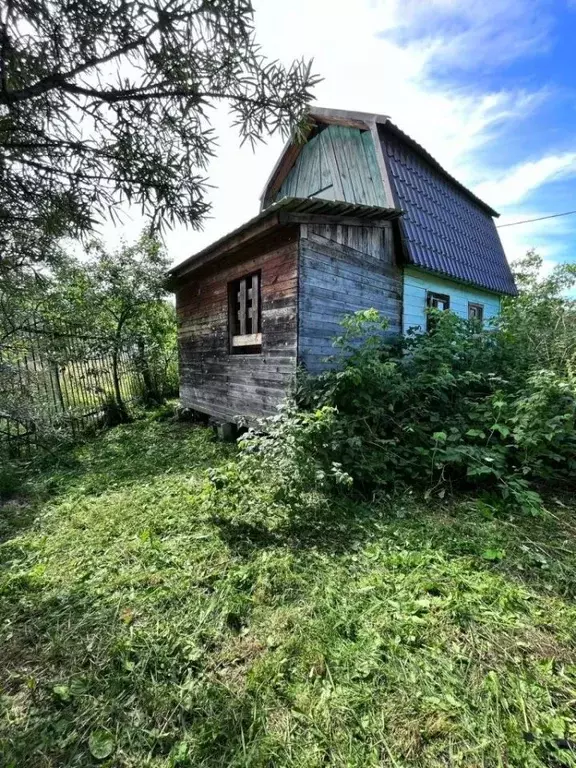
(493,554)
(101,744)
(62,692)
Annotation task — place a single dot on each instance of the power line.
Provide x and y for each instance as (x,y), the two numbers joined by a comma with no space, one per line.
(540,218)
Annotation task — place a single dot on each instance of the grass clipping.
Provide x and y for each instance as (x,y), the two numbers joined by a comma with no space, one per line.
(142,625)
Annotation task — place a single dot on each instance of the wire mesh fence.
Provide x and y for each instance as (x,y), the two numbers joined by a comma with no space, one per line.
(61,386)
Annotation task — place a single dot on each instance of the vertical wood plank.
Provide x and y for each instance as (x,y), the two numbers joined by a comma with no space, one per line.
(374,175)
(340,163)
(242,307)
(336,140)
(351,150)
(388,236)
(328,150)
(255,303)
(303,169)
(380,151)
(313,184)
(325,176)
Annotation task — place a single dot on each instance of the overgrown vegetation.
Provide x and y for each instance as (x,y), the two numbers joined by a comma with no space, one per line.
(145,623)
(82,343)
(383,576)
(466,407)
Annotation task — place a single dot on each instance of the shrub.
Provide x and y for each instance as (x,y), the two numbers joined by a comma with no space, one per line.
(463,407)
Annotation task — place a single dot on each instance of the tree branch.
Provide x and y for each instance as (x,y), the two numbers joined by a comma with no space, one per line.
(5,45)
(59,79)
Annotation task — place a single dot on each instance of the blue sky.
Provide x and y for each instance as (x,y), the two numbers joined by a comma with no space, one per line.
(487,86)
(527,165)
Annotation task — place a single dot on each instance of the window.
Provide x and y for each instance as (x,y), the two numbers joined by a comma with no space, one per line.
(439,301)
(475,311)
(244,315)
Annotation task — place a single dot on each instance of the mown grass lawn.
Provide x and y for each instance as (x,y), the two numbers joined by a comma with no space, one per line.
(143,626)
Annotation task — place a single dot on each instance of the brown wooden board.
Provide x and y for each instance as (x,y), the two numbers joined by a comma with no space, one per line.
(226,385)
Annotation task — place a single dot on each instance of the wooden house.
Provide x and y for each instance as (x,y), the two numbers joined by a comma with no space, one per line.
(358,216)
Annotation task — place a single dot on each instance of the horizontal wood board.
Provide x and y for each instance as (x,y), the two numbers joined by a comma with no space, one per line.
(226,385)
(418,283)
(341,270)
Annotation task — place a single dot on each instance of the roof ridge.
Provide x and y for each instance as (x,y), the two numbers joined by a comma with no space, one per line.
(366,120)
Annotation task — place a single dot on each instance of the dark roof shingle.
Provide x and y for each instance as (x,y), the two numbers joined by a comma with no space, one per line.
(444,227)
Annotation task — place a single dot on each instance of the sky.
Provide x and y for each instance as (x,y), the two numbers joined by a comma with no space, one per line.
(487,86)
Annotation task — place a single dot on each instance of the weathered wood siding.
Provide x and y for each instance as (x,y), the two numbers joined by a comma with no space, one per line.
(339,163)
(343,269)
(225,385)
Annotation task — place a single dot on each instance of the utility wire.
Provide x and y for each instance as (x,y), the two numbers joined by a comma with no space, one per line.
(541,218)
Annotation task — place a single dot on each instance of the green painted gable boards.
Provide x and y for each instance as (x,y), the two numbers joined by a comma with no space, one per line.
(338,163)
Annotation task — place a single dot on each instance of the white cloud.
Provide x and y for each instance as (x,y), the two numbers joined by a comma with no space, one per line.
(471,35)
(517,183)
(362,71)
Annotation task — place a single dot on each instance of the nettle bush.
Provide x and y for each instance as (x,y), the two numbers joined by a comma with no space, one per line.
(465,407)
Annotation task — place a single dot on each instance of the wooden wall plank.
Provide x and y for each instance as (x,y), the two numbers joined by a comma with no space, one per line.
(353,151)
(330,157)
(338,163)
(373,171)
(228,385)
(342,270)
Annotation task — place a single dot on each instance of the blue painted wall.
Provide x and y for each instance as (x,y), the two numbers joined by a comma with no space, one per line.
(416,285)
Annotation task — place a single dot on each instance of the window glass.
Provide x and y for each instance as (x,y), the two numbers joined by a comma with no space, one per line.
(475,311)
(439,301)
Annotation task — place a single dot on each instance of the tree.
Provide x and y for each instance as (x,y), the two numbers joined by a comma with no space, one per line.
(540,324)
(69,336)
(118,299)
(104,102)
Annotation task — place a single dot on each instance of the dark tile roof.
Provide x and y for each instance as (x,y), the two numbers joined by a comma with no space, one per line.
(445,228)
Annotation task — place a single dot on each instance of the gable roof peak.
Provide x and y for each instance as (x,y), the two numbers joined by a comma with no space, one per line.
(346,117)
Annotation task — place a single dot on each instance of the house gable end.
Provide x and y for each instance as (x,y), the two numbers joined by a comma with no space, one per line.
(337,163)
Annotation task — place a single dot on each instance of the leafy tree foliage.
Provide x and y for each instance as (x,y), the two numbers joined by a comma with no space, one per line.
(540,325)
(118,300)
(109,306)
(106,101)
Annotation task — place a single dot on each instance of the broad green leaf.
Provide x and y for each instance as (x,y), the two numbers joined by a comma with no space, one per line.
(475,433)
(101,744)
(493,554)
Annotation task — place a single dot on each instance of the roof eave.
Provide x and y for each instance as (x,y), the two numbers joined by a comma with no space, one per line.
(284,212)
(512,291)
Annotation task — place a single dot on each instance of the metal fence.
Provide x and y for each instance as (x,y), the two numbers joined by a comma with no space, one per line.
(60,386)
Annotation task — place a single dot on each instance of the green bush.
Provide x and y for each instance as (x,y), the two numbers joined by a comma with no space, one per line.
(465,407)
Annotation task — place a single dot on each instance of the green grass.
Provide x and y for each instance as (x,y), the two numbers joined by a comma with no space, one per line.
(140,625)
